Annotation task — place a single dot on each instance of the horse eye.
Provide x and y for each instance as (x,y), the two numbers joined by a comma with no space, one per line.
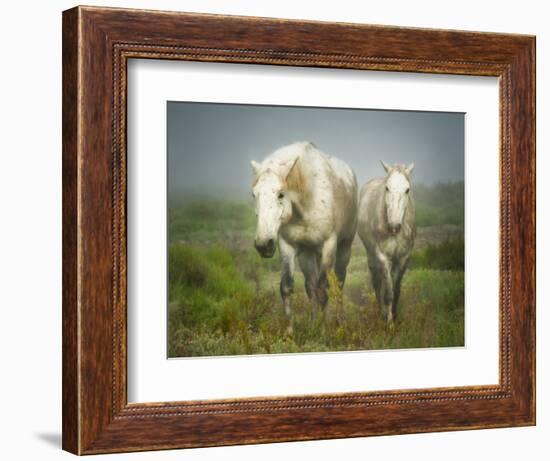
(407,191)
(281,195)
(387,189)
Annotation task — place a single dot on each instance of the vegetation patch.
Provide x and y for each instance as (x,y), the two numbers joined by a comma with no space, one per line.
(224,299)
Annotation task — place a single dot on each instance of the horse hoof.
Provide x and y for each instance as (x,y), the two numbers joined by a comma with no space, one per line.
(391,325)
(289,330)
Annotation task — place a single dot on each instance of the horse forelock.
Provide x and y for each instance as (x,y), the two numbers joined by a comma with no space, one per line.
(397,175)
(398,168)
(263,173)
(257,178)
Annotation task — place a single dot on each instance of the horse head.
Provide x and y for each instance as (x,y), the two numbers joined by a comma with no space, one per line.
(272,191)
(397,191)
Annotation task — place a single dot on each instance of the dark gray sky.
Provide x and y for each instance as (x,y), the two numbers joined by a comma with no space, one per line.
(210,145)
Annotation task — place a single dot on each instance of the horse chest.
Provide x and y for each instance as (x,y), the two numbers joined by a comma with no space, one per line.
(300,234)
(394,246)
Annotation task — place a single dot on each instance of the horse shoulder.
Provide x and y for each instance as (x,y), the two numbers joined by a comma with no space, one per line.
(314,225)
(332,200)
(318,176)
(370,215)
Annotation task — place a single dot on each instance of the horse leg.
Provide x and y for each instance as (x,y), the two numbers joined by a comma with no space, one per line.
(386,289)
(375,269)
(343,255)
(328,261)
(309,263)
(398,271)
(288,254)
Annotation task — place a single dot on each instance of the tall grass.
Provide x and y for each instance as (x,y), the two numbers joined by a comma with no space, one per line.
(215,310)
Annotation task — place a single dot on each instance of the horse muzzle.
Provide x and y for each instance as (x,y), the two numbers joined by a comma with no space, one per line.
(266,248)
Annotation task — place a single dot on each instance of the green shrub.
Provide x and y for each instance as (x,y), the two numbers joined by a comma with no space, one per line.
(448,255)
(204,285)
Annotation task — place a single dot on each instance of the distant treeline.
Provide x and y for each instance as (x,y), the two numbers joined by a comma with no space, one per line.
(200,215)
(441,203)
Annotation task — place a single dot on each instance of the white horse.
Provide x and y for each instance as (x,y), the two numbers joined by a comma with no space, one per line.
(306,202)
(387,228)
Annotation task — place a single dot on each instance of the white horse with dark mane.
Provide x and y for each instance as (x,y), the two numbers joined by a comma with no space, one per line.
(306,202)
(387,228)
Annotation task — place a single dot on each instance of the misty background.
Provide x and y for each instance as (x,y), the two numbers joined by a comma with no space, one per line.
(210,145)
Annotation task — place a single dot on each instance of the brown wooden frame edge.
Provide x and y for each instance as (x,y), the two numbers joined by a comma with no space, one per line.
(97,42)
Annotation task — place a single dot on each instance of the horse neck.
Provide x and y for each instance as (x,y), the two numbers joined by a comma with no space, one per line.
(301,205)
(381,207)
(410,212)
(309,201)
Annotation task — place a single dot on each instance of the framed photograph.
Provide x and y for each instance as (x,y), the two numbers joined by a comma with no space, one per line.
(281,230)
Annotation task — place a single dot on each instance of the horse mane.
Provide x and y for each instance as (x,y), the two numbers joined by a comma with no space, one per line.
(257,178)
(295,179)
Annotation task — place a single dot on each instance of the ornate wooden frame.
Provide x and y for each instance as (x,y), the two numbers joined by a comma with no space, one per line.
(97,43)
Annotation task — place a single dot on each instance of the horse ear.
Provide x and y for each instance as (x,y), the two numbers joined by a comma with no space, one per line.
(409,169)
(294,179)
(255,167)
(386,167)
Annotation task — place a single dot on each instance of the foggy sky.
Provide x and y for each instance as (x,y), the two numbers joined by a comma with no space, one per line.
(210,145)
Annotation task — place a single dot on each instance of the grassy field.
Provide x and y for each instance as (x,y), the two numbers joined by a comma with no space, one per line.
(224,299)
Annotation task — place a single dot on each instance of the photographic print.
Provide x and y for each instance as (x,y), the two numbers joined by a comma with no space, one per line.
(311,229)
